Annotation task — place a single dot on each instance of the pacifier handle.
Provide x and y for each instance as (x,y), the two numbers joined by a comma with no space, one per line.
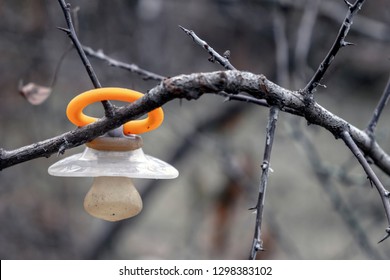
(75,108)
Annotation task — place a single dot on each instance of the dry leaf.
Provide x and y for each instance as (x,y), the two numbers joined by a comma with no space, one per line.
(35,94)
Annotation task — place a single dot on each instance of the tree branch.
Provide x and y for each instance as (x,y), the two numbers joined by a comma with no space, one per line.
(378,110)
(325,178)
(337,45)
(333,10)
(193,86)
(384,194)
(215,56)
(147,75)
(108,108)
(257,244)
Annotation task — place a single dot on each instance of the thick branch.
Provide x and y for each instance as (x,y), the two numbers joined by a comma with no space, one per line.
(192,87)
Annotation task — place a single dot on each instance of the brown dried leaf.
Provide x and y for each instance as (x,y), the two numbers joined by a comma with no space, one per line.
(35,94)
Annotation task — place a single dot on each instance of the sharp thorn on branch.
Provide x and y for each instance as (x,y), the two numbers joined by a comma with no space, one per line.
(372,186)
(346,43)
(349,5)
(321,85)
(185,30)
(226,54)
(386,236)
(66,30)
(63,148)
(252,208)
(259,246)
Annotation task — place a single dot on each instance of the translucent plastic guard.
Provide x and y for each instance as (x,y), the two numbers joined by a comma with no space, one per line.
(95,163)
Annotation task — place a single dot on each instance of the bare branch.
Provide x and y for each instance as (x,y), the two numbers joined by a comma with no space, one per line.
(378,110)
(337,45)
(215,56)
(257,244)
(333,10)
(384,194)
(147,75)
(325,178)
(108,108)
(192,87)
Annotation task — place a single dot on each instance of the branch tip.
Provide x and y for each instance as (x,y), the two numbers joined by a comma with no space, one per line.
(386,236)
(337,45)
(214,55)
(187,31)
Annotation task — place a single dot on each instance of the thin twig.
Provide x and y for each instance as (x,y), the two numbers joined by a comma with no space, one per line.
(384,194)
(147,75)
(257,244)
(337,45)
(378,110)
(215,56)
(368,27)
(324,177)
(108,107)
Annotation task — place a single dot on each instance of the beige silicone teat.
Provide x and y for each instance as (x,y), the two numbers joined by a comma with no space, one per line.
(112,199)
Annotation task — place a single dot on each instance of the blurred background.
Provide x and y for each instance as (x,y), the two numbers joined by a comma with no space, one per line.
(319,204)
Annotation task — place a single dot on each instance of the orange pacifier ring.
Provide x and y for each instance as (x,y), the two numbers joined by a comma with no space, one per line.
(75,108)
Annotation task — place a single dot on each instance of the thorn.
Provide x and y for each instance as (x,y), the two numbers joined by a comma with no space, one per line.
(372,186)
(66,30)
(185,29)
(346,43)
(387,194)
(321,85)
(259,245)
(211,59)
(349,5)
(386,236)
(226,54)
(61,150)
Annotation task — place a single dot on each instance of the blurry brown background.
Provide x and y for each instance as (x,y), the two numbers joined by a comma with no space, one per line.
(314,208)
